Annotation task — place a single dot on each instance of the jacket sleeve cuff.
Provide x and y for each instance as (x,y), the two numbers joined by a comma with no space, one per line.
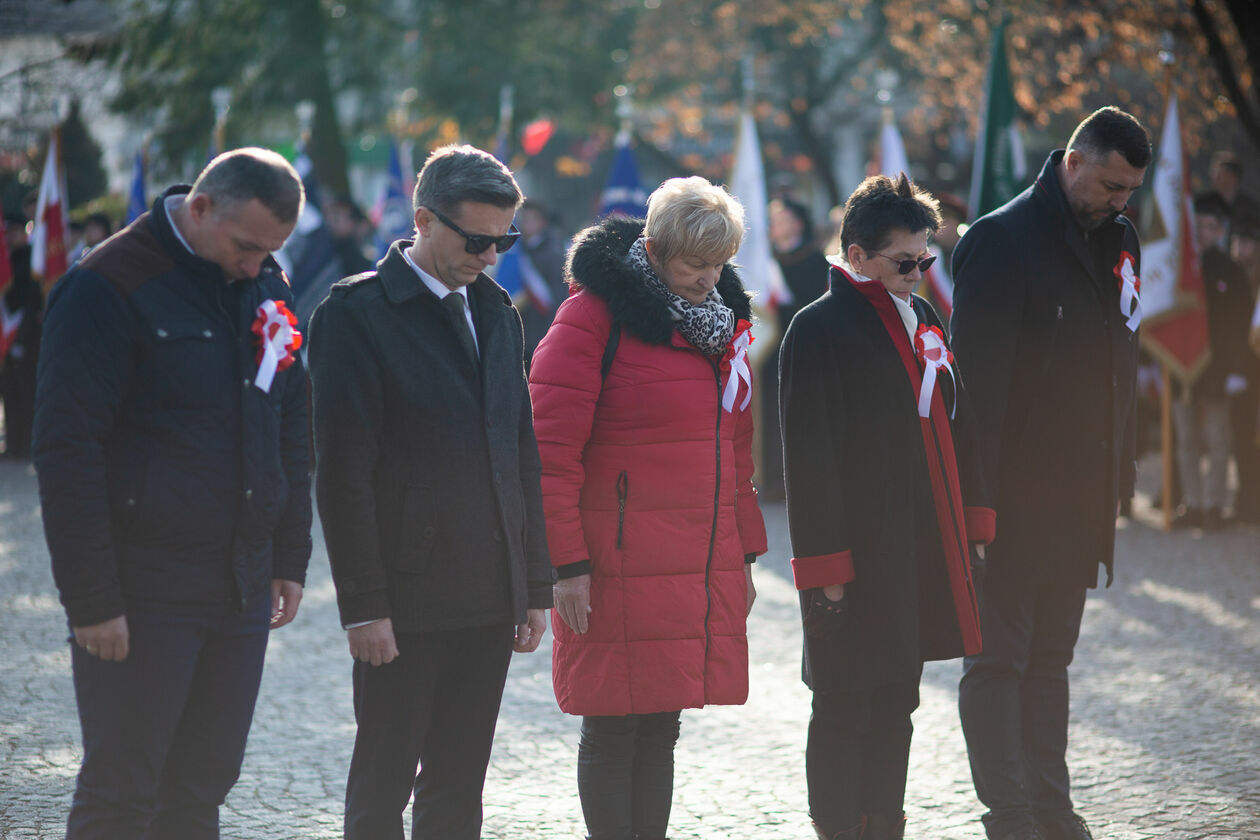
(84,612)
(539,598)
(571,570)
(981,524)
(822,570)
(362,598)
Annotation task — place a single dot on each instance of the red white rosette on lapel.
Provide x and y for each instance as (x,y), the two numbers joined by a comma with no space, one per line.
(929,346)
(277,339)
(735,365)
(1130,285)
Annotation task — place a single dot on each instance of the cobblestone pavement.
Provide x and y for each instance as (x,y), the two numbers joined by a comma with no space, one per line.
(1165,710)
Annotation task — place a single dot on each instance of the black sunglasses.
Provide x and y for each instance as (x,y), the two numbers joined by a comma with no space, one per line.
(477,243)
(907,266)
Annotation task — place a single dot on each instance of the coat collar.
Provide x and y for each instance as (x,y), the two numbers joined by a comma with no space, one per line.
(597,263)
(486,298)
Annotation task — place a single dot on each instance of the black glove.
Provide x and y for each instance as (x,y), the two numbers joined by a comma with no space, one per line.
(825,618)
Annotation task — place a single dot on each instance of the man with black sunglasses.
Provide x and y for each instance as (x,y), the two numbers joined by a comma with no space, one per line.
(428,484)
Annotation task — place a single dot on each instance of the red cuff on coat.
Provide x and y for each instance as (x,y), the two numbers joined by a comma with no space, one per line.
(981,524)
(822,570)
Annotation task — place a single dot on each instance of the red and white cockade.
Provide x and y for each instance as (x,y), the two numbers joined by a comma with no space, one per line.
(929,346)
(1130,285)
(278,337)
(735,364)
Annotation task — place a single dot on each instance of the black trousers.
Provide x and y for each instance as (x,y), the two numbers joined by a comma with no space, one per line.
(1013,700)
(1242,416)
(164,730)
(626,775)
(435,706)
(858,752)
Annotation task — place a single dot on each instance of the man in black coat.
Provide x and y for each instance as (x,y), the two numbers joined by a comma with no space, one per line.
(428,484)
(1045,327)
(172,447)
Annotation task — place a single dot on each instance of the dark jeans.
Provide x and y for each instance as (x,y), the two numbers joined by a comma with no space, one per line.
(164,730)
(626,775)
(1013,700)
(436,706)
(857,754)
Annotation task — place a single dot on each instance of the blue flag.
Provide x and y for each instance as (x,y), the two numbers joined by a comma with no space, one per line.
(136,204)
(308,257)
(396,217)
(624,194)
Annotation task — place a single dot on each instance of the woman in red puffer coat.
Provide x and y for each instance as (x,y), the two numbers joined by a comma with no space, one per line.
(642,413)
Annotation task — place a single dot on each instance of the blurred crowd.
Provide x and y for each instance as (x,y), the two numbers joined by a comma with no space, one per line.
(1215,416)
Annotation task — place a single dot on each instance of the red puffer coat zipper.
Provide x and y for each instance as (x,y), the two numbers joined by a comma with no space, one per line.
(649,478)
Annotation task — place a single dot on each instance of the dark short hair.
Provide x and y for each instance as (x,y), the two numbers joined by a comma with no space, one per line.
(1211,204)
(454,174)
(880,206)
(1110,130)
(253,173)
(100,220)
(799,212)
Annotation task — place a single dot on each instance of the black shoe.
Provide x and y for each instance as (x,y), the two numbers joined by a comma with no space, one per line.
(1067,827)
(1188,518)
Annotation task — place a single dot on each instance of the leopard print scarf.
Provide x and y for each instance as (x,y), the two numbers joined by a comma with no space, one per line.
(708,326)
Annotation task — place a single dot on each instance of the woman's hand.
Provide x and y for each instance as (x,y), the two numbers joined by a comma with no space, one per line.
(572,597)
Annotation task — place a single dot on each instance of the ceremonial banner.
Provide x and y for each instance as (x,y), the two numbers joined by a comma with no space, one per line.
(49,259)
(1174,317)
(1000,167)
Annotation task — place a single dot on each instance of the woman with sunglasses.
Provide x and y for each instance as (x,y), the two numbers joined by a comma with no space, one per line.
(643,415)
(885,501)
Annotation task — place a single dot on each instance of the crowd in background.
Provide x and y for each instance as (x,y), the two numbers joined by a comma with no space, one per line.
(1215,418)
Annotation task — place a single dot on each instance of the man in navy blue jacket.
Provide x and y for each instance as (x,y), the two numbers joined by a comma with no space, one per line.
(172,451)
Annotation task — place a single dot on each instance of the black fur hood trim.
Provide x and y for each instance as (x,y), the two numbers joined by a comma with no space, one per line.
(597,262)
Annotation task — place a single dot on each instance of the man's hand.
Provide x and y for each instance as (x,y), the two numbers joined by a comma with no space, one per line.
(529,635)
(373,643)
(108,640)
(573,601)
(835,592)
(752,590)
(285,597)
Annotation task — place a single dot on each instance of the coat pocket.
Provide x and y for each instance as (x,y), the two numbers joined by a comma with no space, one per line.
(419,528)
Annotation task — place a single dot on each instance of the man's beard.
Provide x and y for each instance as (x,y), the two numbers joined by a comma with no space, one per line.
(1091,221)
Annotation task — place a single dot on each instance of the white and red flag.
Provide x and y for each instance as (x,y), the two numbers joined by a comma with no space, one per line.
(49,254)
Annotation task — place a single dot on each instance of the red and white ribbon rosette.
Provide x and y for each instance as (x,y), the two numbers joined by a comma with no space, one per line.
(1130,285)
(277,339)
(735,364)
(929,346)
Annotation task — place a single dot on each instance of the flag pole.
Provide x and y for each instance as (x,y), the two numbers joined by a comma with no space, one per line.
(1165,391)
(1166,453)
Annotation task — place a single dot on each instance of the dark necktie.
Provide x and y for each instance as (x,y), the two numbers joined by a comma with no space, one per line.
(454,303)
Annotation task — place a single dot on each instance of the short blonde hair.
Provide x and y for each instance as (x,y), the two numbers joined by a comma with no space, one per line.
(691,217)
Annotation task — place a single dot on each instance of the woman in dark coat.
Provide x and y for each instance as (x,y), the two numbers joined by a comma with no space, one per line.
(642,409)
(885,500)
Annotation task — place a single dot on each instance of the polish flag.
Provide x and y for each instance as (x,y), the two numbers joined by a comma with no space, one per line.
(52,218)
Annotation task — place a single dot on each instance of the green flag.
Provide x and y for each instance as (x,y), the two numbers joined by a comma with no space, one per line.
(999,170)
